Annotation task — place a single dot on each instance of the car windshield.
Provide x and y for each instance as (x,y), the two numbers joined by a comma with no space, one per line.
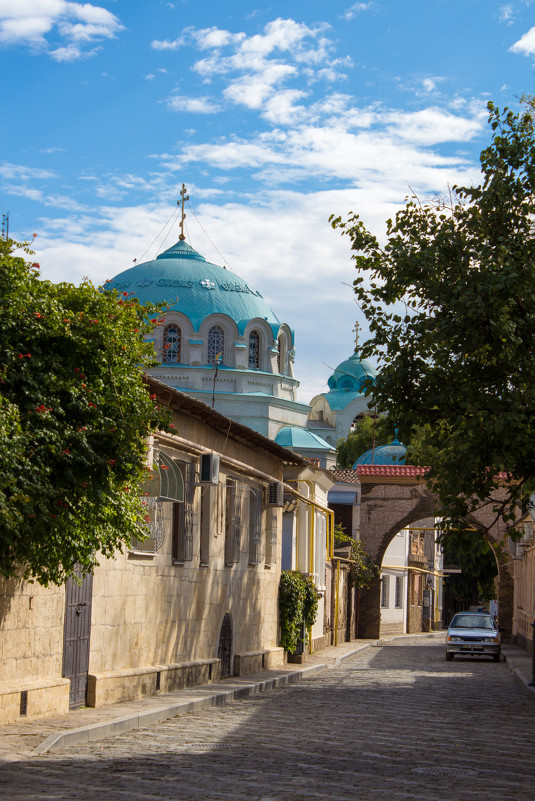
(472,622)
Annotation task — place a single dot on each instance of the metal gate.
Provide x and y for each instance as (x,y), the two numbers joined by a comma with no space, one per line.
(225,646)
(76,631)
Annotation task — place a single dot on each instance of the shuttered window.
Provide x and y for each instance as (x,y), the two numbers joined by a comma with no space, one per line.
(255,525)
(232,522)
(183,517)
(271,537)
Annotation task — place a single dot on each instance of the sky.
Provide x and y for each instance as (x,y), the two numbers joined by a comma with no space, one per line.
(274,117)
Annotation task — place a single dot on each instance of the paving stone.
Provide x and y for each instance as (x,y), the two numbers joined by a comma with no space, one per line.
(394,722)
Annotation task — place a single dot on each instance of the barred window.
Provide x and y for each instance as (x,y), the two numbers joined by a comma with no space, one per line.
(216,345)
(183,517)
(232,522)
(255,525)
(172,343)
(154,517)
(254,350)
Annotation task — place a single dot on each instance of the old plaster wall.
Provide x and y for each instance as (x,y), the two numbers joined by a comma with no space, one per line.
(31,649)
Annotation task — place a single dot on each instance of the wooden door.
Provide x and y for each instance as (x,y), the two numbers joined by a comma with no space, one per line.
(76,634)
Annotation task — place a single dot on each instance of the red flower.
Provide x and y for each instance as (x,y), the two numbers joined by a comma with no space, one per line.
(136,330)
(152,397)
(65,320)
(34,235)
(125,294)
(83,428)
(111,461)
(171,425)
(76,370)
(38,315)
(36,264)
(93,321)
(94,405)
(163,467)
(67,451)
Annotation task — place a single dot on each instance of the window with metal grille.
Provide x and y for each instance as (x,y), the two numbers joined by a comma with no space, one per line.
(271,537)
(398,598)
(172,343)
(254,350)
(255,525)
(216,345)
(183,517)
(154,517)
(232,522)
(384,590)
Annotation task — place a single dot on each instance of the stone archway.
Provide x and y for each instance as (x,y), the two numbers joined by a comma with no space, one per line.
(393,497)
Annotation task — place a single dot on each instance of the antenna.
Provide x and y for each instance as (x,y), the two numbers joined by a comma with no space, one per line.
(5,225)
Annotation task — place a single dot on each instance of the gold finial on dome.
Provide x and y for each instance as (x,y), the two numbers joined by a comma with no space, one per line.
(183,198)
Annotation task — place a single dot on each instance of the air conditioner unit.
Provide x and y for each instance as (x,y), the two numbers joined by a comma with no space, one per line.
(275,494)
(210,468)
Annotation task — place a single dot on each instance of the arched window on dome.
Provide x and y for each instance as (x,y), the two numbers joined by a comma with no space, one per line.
(281,356)
(254,350)
(172,343)
(216,345)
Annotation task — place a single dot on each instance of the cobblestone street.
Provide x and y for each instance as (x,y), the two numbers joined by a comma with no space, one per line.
(395,722)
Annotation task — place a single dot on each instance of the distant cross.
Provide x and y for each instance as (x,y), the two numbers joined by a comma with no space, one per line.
(183,198)
(207,284)
(356,329)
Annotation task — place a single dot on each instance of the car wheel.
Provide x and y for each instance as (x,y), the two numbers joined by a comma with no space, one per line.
(497,657)
(449,657)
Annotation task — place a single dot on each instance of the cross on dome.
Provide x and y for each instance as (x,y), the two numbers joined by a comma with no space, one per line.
(183,198)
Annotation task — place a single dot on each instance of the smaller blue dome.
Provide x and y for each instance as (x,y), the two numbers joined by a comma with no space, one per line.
(351,374)
(294,437)
(384,454)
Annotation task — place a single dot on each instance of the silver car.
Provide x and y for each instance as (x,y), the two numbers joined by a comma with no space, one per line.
(473,634)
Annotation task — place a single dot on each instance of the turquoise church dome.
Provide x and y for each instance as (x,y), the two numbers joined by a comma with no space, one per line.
(351,374)
(189,284)
(384,454)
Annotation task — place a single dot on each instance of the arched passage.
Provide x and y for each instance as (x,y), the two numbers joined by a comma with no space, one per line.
(394,497)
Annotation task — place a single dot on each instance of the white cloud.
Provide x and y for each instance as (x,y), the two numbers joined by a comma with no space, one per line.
(255,67)
(507,14)
(195,105)
(526,44)
(356,8)
(72,24)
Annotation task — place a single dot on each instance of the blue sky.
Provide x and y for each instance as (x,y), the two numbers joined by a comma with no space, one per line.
(273,116)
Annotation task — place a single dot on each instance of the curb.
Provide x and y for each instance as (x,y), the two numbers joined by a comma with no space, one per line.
(520,678)
(97,731)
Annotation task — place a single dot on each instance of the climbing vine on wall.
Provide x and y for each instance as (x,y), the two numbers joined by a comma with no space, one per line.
(298,604)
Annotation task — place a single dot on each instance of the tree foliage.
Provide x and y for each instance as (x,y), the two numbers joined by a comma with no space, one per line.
(450,301)
(362,437)
(473,554)
(74,415)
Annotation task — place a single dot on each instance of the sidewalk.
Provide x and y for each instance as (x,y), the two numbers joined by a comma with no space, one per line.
(19,741)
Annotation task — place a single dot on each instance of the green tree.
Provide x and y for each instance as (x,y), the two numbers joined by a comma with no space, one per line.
(365,432)
(450,300)
(74,415)
(473,554)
